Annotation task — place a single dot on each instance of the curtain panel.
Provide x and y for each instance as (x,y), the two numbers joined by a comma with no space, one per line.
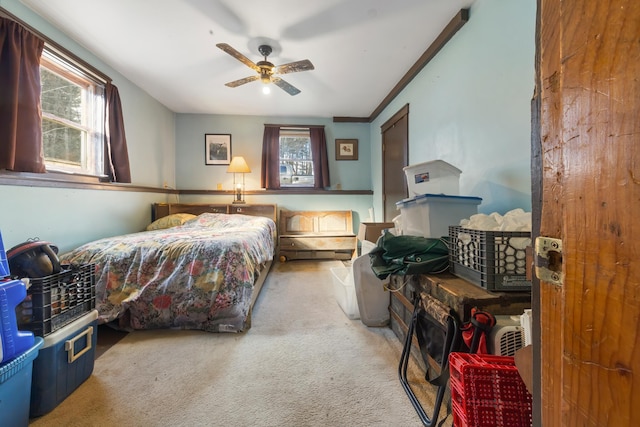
(270,174)
(116,152)
(20,114)
(320,158)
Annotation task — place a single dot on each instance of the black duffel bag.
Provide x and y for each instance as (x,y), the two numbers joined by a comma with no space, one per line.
(404,255)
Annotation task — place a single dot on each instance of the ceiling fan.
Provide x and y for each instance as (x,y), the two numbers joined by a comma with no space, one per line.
(267,72)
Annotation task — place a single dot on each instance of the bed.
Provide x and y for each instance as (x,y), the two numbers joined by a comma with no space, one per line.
(191,269)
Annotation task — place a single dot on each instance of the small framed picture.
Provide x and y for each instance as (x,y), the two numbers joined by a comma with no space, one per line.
(346,149)
(217,149)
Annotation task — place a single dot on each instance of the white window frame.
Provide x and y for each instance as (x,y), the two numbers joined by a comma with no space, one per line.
(92,124)
(289,179)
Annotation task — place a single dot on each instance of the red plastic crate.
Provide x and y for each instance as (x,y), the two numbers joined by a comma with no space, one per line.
(487,391)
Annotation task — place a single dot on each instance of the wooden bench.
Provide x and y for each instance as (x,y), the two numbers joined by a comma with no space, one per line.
(316,235)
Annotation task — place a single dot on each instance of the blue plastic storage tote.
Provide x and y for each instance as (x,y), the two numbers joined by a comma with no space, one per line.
(15,387)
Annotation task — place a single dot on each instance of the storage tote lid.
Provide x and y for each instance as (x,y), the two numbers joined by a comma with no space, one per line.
(439,198)
(4,264)
(72,328)
(439,165)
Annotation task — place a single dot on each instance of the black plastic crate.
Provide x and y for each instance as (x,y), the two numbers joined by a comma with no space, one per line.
(493,260)
(57,300)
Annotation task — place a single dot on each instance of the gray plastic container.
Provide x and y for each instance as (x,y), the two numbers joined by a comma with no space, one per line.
(373,299)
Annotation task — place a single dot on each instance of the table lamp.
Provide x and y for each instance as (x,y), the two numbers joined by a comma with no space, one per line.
(238,165)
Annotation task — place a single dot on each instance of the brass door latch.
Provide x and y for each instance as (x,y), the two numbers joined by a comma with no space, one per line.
(548,260)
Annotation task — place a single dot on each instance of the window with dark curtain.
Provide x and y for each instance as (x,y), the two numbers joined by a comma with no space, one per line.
(20,120)
(21,147)
(270,174)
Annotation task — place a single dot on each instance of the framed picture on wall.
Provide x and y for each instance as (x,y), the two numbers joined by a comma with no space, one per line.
(346,149)
(217,149)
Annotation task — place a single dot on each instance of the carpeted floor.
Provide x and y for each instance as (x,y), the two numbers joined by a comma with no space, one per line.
(302,363)
(107,338)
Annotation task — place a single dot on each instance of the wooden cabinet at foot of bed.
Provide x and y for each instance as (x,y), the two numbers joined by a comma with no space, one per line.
(316,235)
(316,247)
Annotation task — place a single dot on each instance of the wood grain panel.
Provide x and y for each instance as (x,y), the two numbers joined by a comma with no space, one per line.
(317,243)
(316,234)
(590,103)
(551,225)
(316,222)
(159,210)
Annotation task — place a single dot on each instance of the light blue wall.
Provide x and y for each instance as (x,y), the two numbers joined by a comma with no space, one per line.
(246,140)
(470,106)
(68,217)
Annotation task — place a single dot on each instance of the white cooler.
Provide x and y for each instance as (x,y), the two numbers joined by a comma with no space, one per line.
(430,215)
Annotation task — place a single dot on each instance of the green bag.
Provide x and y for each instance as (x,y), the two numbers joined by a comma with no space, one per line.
(403,255)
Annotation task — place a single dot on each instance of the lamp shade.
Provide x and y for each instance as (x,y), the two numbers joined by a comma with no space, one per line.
(238,165)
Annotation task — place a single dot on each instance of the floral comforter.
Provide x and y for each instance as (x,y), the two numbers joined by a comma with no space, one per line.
(199,275)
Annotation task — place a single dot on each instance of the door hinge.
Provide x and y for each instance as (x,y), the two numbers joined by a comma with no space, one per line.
(548,260)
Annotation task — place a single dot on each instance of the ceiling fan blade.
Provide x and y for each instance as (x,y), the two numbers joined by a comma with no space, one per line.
(240,57)
(237,83)
(291,90)
(294,67)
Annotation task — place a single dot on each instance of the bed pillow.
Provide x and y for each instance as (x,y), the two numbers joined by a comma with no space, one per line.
(170,221)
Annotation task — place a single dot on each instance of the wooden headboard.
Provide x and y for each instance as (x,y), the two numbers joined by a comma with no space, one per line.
(159,210)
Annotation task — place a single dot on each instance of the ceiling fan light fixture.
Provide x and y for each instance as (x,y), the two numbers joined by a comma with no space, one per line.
(266,89)
(267,72)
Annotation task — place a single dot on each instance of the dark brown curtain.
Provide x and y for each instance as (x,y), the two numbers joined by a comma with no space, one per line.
(20,117)
(270,174)
(116,154)
(320,159)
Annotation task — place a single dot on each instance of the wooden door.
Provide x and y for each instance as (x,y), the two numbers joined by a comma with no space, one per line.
(395,156)
(588,84)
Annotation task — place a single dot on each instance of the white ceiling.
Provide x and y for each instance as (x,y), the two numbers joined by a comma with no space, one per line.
(360,48)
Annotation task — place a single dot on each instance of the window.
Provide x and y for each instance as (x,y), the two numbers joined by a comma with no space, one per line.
(294,157)
(296,160)
(73,115)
